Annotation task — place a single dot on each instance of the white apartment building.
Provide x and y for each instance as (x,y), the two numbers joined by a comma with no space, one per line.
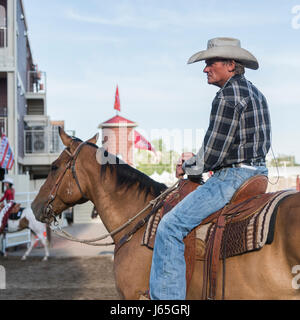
(33,137)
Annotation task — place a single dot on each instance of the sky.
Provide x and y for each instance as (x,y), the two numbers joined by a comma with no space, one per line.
(89,47)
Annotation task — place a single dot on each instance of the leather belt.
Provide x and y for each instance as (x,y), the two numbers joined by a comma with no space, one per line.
(259,163)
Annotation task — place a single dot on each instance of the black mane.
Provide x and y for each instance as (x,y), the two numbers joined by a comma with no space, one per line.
(127,176)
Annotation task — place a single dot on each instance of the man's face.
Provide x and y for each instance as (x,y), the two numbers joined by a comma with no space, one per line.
(218,72)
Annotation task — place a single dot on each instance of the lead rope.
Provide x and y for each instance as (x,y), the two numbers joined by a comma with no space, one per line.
(65,235)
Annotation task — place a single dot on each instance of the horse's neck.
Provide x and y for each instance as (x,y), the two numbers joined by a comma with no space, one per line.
(116,208)
(114,205)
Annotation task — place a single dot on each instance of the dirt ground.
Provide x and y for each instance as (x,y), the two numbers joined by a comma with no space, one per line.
(59,278)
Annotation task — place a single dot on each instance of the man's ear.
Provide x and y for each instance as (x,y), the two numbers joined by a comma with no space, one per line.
(231,66)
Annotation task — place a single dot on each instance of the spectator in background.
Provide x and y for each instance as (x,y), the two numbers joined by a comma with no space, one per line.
(9,194)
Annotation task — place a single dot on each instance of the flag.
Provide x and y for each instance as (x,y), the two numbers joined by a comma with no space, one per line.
(6,154)
(117,105)
(141,142)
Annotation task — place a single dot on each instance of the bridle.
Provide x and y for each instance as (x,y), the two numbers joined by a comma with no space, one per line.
(48,210)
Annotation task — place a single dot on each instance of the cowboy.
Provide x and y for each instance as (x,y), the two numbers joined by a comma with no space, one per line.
(235,147)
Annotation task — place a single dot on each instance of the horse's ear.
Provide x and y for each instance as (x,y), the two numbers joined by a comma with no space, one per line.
(66,139)
(94,139)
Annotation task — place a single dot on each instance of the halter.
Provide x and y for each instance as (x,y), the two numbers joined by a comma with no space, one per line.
(63,234)
(70,164)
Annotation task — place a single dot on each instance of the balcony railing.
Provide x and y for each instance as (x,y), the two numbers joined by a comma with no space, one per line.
(36,82)
(42,142)
(3,37)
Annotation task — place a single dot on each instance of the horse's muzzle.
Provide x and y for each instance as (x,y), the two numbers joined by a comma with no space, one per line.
(39,213)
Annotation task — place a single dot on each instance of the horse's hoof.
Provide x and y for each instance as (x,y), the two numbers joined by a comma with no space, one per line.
(45,259)
(23,258)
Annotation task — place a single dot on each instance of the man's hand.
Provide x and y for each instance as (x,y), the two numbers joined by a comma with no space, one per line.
(185,156)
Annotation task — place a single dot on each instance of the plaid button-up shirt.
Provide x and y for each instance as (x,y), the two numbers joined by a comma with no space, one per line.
(239,128)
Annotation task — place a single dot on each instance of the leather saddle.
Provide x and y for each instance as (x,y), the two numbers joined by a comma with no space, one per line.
(250,188)
(16,212)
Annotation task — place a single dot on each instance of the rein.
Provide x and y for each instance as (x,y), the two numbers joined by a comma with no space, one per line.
(152,203)
(65,235)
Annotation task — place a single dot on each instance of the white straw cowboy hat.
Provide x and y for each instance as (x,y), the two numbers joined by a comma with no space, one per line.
(226,48)
(8,180)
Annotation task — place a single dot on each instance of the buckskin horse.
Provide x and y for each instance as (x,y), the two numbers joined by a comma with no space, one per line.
(120,191)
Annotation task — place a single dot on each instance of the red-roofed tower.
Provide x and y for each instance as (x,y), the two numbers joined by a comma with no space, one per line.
(118,137)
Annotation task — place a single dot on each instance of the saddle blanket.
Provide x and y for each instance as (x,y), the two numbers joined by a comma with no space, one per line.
(248,227)
(246,233)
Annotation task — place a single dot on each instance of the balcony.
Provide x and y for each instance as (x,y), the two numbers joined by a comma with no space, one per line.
(36,93)
(36,114)
(43,141)
(42,147)
(36,82)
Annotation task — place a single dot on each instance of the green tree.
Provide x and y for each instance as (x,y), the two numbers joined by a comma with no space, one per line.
(167,159)
(283,160)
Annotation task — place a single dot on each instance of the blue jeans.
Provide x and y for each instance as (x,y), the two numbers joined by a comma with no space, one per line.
(167,277)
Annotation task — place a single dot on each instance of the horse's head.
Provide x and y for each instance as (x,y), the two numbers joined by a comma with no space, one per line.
(66,184)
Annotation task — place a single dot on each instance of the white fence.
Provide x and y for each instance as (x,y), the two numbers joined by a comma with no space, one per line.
(279,178)
(25,198)
(170,178)
(12,239)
